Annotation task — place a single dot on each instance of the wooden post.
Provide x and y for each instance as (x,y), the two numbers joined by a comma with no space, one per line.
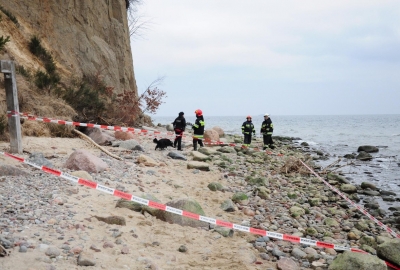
(14,125)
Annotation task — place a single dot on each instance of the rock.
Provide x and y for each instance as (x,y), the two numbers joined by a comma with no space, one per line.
(349,156)
(257,181)
(368,149)
(11,170)
(147,161)
(202,166)
(365,185)
(215,186)
(356,261)
(331,222)
(263,192)
(138,148)
(226,149)
(225,232)
(23,249)
(207,150)
(52,252)
(298,253)
(239,197)
(125,250)
(176,155)
(287,264)
(124,136)
(335,177)
(137,207)
(390,250)
(82,174)
(311,231)
(83,160)
(364,156)
(199,156)
(188,205)
(101,136)
(211,134)
(169,127)
(117,220)
(86,259)
(128,144)
(348,188)
(220,131)
(228,206)
(297,211)
(39,159)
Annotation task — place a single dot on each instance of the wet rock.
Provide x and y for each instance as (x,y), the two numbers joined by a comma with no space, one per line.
(348,188)
(368,149)
(366,185)
(356,261)
(175,155)
(364,156)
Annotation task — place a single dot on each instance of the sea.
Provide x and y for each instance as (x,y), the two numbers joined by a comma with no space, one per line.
(335,135)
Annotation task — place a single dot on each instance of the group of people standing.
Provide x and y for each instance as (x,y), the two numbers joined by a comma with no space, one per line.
(248,130)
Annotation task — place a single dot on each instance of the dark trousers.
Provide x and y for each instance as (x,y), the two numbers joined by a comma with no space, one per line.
(247,139)
(268,141)
(178,139)
(195,140)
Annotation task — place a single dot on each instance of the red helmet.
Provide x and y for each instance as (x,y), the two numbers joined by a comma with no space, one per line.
(198,112)
(249,116)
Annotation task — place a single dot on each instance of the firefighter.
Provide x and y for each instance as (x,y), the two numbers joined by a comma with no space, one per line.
(198,129)
(179,128)
(266,130)
(247,131)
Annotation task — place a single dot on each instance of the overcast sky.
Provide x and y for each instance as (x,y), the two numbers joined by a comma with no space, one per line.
(231,57)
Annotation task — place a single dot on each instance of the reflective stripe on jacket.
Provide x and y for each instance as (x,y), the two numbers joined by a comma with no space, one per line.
(248,127)
(267,127)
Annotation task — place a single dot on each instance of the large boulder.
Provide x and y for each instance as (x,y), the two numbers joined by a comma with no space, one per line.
(390,250)
(188,205)
(227,149)
(220,131)
(365,185)
(287,264)
(39,159)
(356,261)
(124,136)
(129,144)
(207,150)
(137,207)
(82,160)
(199,156)
(101,136)
(147,161)
(202,166)
(368,149)
(169,127)
(211,134)
(175,155)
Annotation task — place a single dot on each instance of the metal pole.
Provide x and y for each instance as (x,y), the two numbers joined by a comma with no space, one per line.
(14,125)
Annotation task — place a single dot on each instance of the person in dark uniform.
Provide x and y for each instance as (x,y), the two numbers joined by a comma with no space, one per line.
(247,131)
(179,128)
(266,130)
(198,129)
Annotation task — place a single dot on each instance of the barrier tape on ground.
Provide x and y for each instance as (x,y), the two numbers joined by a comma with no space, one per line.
(163,207)
(145,132)
(360,208)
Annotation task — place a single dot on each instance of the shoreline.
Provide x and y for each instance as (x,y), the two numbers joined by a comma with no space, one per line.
(286,203)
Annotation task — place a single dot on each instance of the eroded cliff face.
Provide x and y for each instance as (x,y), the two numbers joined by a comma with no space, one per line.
(84,36)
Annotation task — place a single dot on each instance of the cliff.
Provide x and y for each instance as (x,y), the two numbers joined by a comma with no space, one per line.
(83,36)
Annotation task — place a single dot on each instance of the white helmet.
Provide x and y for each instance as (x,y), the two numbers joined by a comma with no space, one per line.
(266,114)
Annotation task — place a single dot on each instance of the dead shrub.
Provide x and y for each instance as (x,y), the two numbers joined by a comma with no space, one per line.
(293,165)
(35,129)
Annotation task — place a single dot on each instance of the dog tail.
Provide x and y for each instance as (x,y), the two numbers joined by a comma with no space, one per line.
(155,140)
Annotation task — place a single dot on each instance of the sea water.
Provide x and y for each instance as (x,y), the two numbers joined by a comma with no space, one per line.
(336,135)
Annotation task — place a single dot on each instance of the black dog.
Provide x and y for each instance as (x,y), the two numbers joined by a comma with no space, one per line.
(163,143)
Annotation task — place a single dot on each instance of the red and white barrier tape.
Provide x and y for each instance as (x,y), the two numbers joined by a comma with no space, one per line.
(163,207)
(360,208)
(150,133)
